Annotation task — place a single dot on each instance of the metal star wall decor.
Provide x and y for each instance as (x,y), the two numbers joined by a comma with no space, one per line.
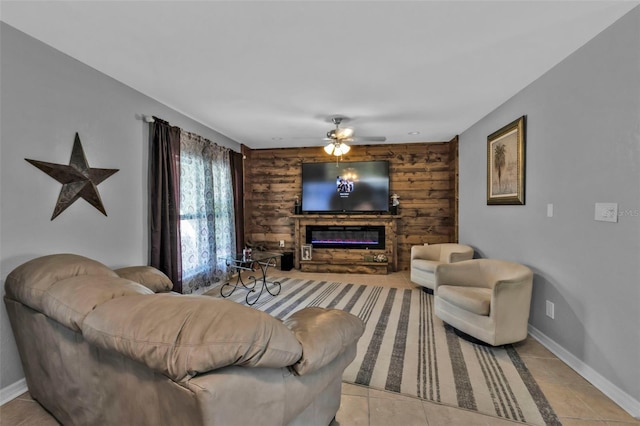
(78,179)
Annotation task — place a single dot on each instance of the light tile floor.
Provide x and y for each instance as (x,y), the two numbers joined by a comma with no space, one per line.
(575,400)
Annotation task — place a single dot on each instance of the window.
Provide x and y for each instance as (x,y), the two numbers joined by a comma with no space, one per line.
(207,224)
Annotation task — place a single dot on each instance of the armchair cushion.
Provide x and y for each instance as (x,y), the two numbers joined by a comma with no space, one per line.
(425,265)
(473,299)
(324,334)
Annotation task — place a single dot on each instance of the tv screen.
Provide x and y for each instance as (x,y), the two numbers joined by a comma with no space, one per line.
(356,186)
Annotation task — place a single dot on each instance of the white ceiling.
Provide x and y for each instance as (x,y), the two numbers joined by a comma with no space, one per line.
(262,70)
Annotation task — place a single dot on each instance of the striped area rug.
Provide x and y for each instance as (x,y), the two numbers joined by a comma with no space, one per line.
(407,349)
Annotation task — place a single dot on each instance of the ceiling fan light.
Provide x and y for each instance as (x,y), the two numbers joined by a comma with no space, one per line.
(336,148)
(343,148)
(329,148)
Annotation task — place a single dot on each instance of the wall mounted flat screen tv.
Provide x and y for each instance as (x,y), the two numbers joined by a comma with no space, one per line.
(351,187)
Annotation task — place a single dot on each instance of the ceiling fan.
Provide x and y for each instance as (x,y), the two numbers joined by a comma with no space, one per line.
(340,135)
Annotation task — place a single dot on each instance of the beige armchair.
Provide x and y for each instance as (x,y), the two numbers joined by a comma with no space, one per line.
(425,258)
(487,299)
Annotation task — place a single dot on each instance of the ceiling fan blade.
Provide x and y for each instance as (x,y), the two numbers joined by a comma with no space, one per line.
(308,138)
(370,138)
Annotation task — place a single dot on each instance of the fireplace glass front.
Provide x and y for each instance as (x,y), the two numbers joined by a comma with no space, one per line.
(349,237)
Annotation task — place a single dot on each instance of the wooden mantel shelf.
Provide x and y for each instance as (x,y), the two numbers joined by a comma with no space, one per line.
(342,259)
(342,216)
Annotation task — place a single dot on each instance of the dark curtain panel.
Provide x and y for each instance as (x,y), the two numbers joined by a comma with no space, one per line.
(164,201)
(235,158)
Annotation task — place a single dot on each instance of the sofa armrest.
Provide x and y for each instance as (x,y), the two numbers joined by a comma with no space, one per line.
(324,335)
(148,276)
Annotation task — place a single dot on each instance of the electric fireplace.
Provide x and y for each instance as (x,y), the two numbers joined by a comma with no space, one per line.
(348,237)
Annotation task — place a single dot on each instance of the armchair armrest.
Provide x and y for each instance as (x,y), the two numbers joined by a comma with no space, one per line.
(509,274)
(324,335)
(456,253)
(511,301)
(426,252)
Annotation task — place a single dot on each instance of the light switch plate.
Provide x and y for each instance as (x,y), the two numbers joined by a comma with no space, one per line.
(607,212)
(549,210)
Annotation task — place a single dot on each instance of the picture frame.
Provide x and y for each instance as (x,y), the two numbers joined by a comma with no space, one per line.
(306,252)
(506,164)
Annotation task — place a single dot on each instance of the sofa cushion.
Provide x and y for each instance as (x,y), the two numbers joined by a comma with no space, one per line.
(181,336)
(148,276)
(425,265)
(473,299)
(324,334)
(29,282)
(69,301)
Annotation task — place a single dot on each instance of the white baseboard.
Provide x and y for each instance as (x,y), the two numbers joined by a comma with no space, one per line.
(12,391)
(617,395)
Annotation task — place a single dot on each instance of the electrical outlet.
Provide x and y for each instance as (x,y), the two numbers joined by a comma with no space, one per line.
(281,243)
(551,309)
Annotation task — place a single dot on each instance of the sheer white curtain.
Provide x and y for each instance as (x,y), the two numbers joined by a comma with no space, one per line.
(207,224)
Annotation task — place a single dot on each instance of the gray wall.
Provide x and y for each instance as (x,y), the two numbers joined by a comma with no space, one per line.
(583,147)
(46,98)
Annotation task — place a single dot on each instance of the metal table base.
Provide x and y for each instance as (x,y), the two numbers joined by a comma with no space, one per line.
(255,285)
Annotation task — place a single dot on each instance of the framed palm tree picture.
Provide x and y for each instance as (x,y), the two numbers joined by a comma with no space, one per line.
(505,164)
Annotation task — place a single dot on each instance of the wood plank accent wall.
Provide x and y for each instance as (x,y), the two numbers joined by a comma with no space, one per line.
(420,173)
